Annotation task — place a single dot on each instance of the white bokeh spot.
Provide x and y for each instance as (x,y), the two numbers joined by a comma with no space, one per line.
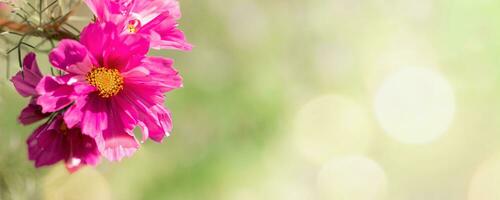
(415,105)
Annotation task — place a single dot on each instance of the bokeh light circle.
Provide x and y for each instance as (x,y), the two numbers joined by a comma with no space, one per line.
(353,178)
(331,125)
(415,105)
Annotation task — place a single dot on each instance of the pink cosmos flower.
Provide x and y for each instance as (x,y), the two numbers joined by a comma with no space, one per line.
(53,142)
(25,83)
(110,86)
(155,19)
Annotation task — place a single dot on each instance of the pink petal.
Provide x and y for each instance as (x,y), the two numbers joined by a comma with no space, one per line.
(170,39)
(163,73)
(98,7)
(55,94)
(32,113)
(25,81)
(154,119)
(118,146)
(51,143)
(110,48)
(96,37)
(146,11)
(74,115)
(118,140)
(122,7)
(164,34)
(157,123)
(82,150)
(46,146)
(159,18)
(94,114)
(71,56)
(119,52)
(155,74)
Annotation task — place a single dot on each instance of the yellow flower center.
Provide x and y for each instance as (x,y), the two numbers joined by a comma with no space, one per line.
(108,82)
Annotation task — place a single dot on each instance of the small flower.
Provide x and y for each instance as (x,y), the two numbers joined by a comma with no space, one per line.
(25,83)
(155,19)
(110,86)
(54,141)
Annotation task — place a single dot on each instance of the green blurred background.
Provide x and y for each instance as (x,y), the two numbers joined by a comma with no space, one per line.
(305,100)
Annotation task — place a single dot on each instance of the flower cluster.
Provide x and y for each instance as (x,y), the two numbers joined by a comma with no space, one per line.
(108,85)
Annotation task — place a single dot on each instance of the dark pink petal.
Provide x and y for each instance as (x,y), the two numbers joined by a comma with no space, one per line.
(30,64)
(46,146)
(71,56)
(32,113)
(53,142)
(82,150)
(25,82)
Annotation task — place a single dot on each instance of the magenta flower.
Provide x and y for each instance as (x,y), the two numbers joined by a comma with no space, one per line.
(25,83)
(53,142)
(155,19)
(110,86)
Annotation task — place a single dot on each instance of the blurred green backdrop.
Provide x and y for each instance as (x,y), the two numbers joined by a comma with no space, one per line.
(319,99)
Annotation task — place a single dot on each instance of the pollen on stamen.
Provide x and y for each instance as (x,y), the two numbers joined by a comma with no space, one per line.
(108,82)
(133,26)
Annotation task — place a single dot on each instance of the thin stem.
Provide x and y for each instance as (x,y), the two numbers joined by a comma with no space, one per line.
(50,5)
(72,27)
(7,61)
(32,7)
(41,43)
(40,12)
